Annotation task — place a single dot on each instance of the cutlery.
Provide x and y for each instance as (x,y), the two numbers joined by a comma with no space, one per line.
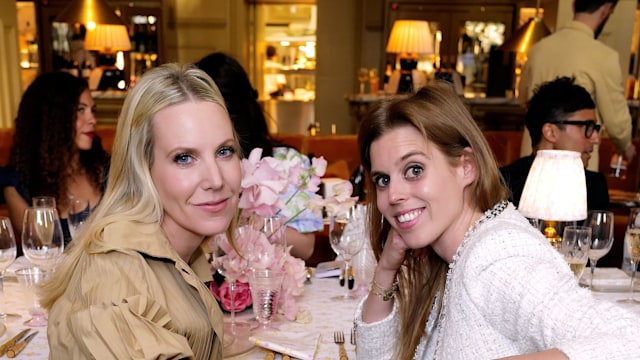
(4,347)
(338,338)
(353,336)
(271,355)
(15,349)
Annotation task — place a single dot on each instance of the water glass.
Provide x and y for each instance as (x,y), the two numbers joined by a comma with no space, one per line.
(576,241)
(8,251)
(79,211)
(601,223)
(265,292)
(632,247)
(29,278)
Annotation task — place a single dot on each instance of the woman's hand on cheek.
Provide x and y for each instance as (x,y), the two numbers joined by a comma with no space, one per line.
(394,252)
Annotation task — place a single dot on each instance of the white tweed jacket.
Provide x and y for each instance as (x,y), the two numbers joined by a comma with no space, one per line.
(509,293)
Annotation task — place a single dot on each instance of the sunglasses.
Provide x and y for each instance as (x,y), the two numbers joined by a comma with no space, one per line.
(590,125)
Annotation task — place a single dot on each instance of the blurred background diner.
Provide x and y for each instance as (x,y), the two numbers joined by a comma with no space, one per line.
(331,60)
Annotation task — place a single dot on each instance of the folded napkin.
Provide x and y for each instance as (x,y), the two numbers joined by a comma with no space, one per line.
(301,345)
(608,280)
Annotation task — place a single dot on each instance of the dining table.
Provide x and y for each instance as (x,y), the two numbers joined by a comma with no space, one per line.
(320,316)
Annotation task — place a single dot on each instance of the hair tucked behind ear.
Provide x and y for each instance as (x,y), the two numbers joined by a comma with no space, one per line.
(442,118)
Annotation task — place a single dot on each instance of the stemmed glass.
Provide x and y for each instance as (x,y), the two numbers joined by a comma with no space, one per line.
(42,239)
(231,265)
(346,235)
(632,242)
(601,223)
(575,248)
(8,252)
(79,211)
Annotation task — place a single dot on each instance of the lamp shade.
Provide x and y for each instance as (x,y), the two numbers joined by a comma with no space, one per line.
(555,188)
(108,38)
(410,36)
(527,35)
(89,13)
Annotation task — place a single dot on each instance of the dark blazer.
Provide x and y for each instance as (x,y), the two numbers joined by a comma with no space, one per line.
(515,175)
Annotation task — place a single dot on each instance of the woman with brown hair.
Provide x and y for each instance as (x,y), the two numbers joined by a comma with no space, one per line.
(55,149)
(461,274)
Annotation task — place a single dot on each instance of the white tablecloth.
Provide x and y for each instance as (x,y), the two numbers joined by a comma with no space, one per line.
(327,315)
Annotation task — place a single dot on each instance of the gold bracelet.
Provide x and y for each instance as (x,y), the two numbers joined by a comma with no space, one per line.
(385,294)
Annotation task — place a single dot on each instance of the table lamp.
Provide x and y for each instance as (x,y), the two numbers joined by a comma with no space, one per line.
(555,190)
(409,38)
(109,41)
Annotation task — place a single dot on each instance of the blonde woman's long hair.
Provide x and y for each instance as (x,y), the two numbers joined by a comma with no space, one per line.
(442,118)
(131,194)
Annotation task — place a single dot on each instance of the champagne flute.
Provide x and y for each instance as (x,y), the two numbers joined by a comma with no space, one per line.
(42,239)
(601,223)
(230,264)
(575,245)
(346,235)
(632,242)
(8,252)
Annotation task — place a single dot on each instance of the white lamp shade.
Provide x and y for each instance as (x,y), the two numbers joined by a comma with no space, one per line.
(556,188)
(411,37)
(108,38)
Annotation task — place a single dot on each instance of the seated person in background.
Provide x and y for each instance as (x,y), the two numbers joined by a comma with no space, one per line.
(55,149)
(251,126)
(561,116)
(132,287)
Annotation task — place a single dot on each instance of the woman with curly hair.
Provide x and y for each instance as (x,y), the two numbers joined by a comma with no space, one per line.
(55,149)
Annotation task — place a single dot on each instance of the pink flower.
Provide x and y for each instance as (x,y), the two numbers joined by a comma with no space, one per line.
(223,295)
(340,200)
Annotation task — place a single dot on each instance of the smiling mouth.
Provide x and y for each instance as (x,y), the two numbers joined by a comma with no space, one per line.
(411,215)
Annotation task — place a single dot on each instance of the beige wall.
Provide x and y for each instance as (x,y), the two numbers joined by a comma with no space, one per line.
(9,68)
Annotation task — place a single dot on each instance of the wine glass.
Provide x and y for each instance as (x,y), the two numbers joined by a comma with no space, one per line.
(228,263)
(575,245)
(8,252)
(363,76)
(43,201)
(79,211)
(601,223)
(346,235)
(42,239)
(632,243)
(29,278)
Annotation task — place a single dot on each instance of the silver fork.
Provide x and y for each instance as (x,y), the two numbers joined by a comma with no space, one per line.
(338,338)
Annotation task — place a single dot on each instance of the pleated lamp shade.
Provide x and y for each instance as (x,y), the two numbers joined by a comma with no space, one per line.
(108,38)
(555,188)
(411,37)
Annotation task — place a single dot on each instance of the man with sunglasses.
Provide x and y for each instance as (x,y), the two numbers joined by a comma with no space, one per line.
(561,116)
(574,50)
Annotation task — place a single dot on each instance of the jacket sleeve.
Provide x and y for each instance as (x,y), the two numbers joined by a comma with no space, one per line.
(135,328)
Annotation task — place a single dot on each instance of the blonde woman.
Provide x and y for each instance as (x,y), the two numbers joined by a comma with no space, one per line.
(132,287)
(461,274)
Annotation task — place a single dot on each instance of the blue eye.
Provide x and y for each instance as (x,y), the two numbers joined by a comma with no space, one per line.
(226,151)
(413,171)
(182,158)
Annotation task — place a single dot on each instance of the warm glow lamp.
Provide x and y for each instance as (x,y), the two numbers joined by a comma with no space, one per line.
(90,13)
(555,190)
(408,39)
